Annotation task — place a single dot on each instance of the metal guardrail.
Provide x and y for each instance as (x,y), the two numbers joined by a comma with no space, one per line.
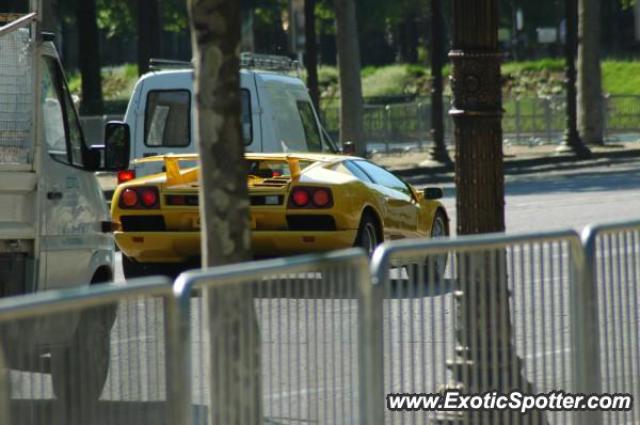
(291,340)
(614,251)
(499,318)
(103,354)
(323,339)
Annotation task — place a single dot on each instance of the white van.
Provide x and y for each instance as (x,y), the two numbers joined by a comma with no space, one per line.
(55,229)
(277,112)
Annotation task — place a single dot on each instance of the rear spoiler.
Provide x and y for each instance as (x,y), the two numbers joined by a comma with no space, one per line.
(174,176)
(172,167)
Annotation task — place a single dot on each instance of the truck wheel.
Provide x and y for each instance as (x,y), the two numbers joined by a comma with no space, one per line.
(132,269)
(79,369)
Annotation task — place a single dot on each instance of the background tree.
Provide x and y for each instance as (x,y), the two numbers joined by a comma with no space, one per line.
(89,57)
(351,107)
(590,102)
(439,150)
(224,206)
(311,52)
(149,20)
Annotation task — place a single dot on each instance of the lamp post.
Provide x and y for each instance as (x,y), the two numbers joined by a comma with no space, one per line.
(571,142)
(485,359)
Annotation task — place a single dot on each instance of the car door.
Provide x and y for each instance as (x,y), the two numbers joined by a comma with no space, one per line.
(402,208)
(73,209)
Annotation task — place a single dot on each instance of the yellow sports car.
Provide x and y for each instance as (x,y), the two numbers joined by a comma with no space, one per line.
(300,203)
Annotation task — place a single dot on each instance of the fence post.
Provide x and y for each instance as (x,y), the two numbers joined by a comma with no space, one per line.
(518,123)
(389,126)
(585,326)
(5,392)
(371,356)
(547,118)
(420,128)
(178,352)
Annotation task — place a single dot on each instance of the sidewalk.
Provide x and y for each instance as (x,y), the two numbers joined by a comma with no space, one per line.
(416,167)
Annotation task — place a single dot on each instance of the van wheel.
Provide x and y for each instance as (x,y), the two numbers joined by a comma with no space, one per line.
(79,369)
(132,269)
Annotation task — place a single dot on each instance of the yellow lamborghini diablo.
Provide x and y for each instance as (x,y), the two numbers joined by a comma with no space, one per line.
(299,203)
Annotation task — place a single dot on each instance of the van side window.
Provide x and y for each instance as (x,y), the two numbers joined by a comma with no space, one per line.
(314,141)
(167,120)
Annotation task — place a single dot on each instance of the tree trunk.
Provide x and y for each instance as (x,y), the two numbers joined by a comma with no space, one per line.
(351,107)
(89,58)
(224,209)
(590,104)
(311,52)
(149,33)
(439,150)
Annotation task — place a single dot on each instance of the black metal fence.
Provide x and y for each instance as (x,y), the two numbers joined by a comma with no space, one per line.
(526,120)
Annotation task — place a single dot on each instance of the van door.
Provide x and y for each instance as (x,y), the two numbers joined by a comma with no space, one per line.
(73,208)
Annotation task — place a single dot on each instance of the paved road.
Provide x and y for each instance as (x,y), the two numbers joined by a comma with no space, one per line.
(309,346)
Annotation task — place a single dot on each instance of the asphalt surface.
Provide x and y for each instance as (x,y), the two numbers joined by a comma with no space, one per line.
(309,344)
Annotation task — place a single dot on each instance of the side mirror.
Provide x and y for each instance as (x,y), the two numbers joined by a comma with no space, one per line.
(117,146)
(433,193)
(348,148)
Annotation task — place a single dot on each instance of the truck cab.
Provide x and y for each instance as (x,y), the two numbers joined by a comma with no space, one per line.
(54,224)
(277,112)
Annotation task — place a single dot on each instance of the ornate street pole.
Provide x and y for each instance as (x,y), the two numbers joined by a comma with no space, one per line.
(486,360)
(438,152)
(571,142)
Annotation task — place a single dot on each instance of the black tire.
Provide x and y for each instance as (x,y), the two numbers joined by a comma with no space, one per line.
(439,228)
(80,368)
(132,269)
(367,237)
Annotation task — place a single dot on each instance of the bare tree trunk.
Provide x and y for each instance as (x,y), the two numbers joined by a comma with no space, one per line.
(311,52)
(89,57)
(590,105)
(149,33)
(224,208)
(351,107)
(439,150)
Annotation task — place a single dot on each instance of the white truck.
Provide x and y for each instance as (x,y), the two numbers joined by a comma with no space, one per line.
(277,112)
(55,229)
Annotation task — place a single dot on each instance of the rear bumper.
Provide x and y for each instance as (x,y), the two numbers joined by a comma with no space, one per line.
(176,247)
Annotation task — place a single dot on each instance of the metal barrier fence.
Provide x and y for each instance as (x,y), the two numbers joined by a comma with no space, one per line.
(499,317)
(291,340)
(97,355)
(615,251)
(320,339)
(526,120)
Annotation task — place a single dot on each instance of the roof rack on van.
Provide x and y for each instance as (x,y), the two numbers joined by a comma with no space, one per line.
(268,62)
(156,64)
(247,61)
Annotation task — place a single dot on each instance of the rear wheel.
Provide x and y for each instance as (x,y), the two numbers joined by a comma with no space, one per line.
(439,262)
(132,269)
(367,237)
(79,369)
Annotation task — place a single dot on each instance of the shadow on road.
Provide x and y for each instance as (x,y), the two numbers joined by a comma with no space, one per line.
(53,412)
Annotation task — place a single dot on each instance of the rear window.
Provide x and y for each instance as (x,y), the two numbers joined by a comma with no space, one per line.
(168,118)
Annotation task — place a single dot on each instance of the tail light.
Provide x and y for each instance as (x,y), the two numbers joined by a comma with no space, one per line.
(126,175)
(310,197)
(140,198)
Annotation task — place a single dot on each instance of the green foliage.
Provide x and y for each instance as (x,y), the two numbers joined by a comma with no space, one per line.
(621,77)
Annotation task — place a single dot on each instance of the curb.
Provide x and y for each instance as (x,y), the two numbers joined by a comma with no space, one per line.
(514,166)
